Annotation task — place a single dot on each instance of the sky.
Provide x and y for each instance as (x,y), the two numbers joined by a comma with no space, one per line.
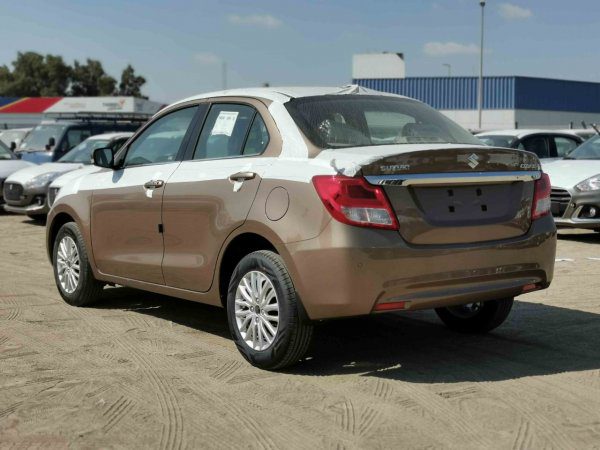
(180,45)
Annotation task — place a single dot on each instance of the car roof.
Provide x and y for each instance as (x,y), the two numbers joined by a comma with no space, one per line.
(110,136)
(284,94)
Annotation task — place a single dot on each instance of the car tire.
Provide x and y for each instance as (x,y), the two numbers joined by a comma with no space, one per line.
(72,272)
(487,315)
(253,319)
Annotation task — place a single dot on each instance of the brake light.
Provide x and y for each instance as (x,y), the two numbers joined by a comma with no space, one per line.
(541,197)
(355,202)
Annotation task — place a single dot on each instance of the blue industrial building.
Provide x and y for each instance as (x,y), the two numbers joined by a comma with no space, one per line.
(508,101)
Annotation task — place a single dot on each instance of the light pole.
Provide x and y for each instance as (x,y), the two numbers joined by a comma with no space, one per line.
(224,75)
(449,66)
(480,84)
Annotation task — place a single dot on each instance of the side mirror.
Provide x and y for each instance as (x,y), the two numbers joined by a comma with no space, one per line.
(13,146)
(104,157)
(52,142)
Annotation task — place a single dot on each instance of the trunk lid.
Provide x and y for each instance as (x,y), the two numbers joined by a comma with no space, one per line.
(455,194)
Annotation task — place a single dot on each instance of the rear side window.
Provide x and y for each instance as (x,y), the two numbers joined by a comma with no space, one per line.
(258,137)
(224,132)
(537,145)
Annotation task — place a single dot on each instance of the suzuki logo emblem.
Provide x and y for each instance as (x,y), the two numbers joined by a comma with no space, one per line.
(473,161)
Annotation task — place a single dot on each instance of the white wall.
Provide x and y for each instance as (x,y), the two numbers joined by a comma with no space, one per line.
(378,65)
(500,119)
(15,120)
(491,119)
(528,118)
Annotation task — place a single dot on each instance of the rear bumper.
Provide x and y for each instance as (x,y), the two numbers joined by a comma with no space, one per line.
(347,271)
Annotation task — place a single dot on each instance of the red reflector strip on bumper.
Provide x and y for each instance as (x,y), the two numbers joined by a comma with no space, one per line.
(391,306)
(530,287)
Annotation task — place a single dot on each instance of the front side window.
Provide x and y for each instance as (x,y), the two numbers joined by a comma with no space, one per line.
(337,121)
(83,152)
(224,131)
(74,137)
(161,141)
(5,152)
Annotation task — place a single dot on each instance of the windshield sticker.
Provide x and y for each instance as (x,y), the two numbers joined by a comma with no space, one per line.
(225,123)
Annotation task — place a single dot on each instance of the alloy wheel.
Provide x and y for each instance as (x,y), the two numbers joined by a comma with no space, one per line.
(257,310)
(68,265)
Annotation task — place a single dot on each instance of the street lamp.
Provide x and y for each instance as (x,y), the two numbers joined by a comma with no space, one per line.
(480,84)
(449,66)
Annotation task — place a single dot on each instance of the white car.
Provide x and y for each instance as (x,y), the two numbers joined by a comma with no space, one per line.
(25,191)
(575,183)
(544,143)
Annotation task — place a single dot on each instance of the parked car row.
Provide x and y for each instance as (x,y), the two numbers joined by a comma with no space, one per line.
(28,191)
(572,160)
(545,144)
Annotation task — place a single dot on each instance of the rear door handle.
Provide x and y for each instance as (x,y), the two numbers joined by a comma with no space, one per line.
(154,184)
(240,177)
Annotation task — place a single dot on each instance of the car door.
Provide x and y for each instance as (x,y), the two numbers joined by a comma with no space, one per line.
(210,194)
(126,203)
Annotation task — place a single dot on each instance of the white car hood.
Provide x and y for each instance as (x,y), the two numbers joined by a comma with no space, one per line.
(566,173)
(67,177)
(24,175)
(10,166)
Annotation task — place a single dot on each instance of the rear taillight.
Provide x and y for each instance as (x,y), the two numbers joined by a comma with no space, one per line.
(541,197)
(355,202)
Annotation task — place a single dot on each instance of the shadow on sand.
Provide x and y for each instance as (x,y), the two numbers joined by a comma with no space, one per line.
(537,339)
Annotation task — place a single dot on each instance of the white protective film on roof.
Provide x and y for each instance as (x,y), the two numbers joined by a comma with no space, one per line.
(293,144)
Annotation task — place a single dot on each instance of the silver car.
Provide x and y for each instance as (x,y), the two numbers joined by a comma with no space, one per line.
(575,183)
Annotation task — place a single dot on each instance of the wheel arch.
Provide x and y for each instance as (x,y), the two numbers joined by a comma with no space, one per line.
(52,230)
(238,247)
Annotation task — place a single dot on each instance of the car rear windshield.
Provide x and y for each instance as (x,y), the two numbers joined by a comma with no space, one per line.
(83,152)
(498,140)
(590,149)
(40,135)
(337,121)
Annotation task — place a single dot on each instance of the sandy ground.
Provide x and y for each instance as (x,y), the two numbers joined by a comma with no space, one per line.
(141,370)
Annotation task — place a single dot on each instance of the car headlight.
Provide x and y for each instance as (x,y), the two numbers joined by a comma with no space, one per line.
(591,184)
(42,180)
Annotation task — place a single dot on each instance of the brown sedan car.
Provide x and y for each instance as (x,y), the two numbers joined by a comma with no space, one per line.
(293,205)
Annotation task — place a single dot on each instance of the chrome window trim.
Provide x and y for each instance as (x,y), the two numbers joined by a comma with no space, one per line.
(453,178)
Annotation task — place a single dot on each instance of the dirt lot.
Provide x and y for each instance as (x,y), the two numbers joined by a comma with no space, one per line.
(141,370)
